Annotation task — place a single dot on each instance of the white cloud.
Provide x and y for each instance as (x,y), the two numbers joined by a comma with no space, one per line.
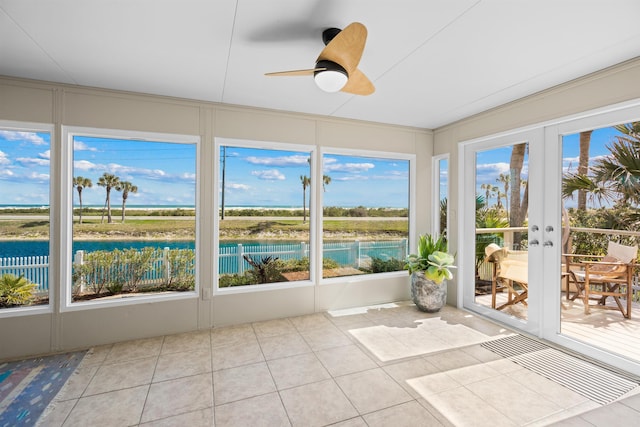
(84,165)
(81,146)
(493,168)
(234,186)
(45,155)
(31,137)
(128,173)
(30,161)
(348,167)
(269,175)
(4,160)
(34,176)
(350,178)
(284,161)
(6,173)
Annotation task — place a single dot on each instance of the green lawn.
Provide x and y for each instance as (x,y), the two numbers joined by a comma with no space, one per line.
(91,228)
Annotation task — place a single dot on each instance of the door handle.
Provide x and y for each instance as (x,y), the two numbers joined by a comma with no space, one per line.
(548,243)
(534,242)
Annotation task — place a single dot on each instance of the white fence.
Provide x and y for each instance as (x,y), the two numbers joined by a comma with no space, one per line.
(33,268)
(356,254)
(231,258)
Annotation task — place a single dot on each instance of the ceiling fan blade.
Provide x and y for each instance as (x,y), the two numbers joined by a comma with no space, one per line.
(358,84)
(295,72)
(346,48)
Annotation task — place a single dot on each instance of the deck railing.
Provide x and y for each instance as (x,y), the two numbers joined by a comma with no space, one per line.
(505,237)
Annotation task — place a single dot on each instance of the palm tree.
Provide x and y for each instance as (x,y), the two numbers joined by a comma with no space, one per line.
(306,182)
(518,206)
(504,180)
(108,181)
(326,180)
(496,191)
(583,166)
(616,176)
(487,188)
(126,187)
(500,195)
(81,183)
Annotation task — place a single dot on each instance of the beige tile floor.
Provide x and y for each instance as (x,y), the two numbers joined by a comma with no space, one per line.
(388,365)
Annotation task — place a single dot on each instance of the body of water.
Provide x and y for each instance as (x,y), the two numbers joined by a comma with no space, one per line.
(20,248)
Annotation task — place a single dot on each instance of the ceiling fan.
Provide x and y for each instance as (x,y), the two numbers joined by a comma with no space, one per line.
(337,65)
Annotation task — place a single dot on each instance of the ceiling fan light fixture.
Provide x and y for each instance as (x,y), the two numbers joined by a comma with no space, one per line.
(332,79)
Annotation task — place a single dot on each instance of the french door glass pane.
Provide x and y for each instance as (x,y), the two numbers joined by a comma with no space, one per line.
(501,259)
(601,195)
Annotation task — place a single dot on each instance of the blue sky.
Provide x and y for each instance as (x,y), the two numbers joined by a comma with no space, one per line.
(24,167)
(491,163)
(165,174)
(256,177)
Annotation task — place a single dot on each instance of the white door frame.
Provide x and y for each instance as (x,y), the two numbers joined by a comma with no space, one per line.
(550,328)
(466,243)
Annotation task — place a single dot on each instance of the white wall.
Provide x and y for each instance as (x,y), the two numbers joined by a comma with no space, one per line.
(63,105)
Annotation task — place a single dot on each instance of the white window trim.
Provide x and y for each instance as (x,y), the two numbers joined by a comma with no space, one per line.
(49,128)
(411,158)
(265,145)
(436,192)
(66,214)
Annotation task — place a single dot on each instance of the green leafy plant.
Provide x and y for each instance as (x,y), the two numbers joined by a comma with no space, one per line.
(432,258)
(15,290)
(440,265)
(265,270)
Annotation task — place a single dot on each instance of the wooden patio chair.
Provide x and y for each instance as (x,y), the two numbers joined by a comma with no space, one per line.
(604,276)
(510,270)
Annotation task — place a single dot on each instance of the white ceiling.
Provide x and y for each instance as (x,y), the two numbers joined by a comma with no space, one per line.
(432,61)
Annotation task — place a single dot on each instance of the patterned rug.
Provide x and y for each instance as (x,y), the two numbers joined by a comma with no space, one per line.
(28,386)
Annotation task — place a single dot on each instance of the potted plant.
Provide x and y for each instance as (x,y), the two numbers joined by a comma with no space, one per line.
(428,269)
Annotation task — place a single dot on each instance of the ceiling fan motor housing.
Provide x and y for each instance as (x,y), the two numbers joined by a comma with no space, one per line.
(329,34)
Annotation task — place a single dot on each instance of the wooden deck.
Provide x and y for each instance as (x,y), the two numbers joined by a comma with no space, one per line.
(603,328)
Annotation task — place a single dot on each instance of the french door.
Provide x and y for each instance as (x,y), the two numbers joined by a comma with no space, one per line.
(506,232)
(512,207)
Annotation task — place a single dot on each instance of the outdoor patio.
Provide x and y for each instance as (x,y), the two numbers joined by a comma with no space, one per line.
(601,327)
(374,366)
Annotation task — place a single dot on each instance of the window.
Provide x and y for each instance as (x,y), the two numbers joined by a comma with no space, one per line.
(441,186)
(365,225)
(24,216)
(134,215)
(265,211)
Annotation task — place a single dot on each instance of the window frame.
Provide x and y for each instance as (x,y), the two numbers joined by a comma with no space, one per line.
(437,182)
(65,244)
(387,155)
(264,145)
(49,128)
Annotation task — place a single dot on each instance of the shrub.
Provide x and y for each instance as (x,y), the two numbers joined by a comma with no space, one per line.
(265,270)
(181,276)
(15,290)
(379,265)
(230,280)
